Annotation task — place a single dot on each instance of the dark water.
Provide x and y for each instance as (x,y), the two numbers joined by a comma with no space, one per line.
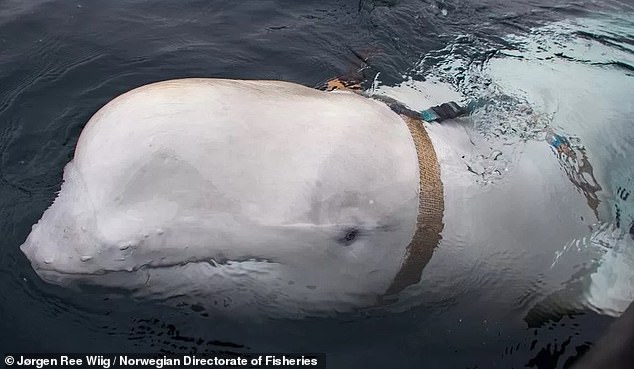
(62,60)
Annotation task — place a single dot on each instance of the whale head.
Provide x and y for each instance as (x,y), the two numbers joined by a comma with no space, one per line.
(263,194)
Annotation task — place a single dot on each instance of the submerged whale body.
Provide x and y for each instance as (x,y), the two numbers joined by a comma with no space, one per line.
(270,198)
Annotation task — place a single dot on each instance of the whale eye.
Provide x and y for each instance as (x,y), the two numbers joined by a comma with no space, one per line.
(349,236)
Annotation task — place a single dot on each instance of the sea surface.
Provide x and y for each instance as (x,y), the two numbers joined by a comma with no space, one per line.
(542,71)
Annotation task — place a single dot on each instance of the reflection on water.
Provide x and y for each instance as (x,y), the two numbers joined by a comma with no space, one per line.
(575,163)
(561,91)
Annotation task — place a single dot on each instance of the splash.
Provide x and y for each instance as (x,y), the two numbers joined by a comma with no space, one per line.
(568,85)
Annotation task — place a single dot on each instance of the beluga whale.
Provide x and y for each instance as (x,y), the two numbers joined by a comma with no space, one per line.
(270,198)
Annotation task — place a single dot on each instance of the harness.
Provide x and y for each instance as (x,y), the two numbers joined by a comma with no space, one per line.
(431,206)
(429,222)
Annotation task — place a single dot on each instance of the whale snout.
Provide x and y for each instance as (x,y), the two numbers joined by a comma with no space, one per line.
(45,262)
(48,258)
(39,257)
(60,245)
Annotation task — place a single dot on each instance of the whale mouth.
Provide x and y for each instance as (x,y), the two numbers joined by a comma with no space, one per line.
(214,262)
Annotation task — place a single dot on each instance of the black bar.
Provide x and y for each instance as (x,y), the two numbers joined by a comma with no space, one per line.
(227,361)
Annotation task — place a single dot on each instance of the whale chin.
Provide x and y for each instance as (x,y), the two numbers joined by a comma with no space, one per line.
(244,290)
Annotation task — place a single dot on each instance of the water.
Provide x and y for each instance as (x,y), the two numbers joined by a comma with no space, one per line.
(61,61)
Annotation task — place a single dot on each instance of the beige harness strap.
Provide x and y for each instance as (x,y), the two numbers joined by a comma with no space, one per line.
(429,223)
(431,204)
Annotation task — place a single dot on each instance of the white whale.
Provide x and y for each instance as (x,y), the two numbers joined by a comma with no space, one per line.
(264,197)
(237,191)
